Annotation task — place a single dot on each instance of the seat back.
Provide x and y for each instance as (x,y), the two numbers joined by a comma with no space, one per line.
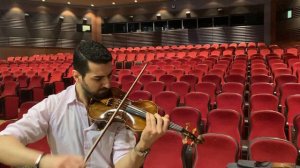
(224,121)
(168,80)
(263,102)
(233,87)
(262,87)
(286,90)
(167,100)
(208,88)
(25,107)
(232,101)
(213,79)
(186,116)
(272,150)
(140,95)
(282,79)
(217,151)
(166,152)
(267,123)
(292,105)
(146,78)
(181,88)
(192,99)
(155,87)
(191,79)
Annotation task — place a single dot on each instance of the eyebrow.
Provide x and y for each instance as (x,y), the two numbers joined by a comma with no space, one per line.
(103,75)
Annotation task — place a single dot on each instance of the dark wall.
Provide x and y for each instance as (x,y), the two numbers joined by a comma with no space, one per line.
(43,28)
(288,29)
(185,36)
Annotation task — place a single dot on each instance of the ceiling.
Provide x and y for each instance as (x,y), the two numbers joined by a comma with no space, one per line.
(99,3)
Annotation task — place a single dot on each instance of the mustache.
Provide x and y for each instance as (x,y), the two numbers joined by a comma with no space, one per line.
(103,93)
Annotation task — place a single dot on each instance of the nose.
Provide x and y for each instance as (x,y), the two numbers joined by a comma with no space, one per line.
(106,82)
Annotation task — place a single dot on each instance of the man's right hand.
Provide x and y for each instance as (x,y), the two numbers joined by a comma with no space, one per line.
(62,161)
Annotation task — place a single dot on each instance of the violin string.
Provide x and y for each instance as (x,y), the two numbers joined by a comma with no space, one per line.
(174,126)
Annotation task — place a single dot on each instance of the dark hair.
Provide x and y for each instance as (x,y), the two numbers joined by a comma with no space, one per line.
(89,51)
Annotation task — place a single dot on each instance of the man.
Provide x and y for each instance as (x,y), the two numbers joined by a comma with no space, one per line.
(63,119)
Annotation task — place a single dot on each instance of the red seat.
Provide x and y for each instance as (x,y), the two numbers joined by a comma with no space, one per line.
(126,86)
(158,73)
(296,123)
(168,80)
(292,105)
(281,71)
(213,79)
(166,152)
(263,102)
(232,101)
(282,79)
(224,121)
(272,150)
(260,78)
(259,71)
(146,78)
(287,90)
(177,72)
(181,88)
(155,87)
(191,79)
(217,151)
(186,116)
(235,78)
(233,87)
(267,123)
(140,95)
(261,87)
(167,100)
(208,88)
(25,107)
(193,99)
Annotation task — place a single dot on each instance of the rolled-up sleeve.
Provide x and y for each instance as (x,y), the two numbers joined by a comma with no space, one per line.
(33,126)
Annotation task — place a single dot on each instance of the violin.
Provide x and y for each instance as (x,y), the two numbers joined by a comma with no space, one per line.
(132,113)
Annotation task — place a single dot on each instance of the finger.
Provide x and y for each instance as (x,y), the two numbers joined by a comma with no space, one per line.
(148,120)
(159,123)
(166,123)
(153,122)
(167,116)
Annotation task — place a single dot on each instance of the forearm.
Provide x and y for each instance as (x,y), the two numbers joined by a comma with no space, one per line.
(14,153)
(132,159)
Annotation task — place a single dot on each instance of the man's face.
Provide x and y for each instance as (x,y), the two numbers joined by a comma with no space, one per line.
(96,82)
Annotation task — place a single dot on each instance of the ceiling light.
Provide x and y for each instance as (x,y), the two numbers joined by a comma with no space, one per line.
(43,0)
(113,3)
(135,1)
(69,3)
(92,5)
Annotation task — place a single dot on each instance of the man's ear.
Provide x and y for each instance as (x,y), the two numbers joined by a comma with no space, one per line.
(76,75)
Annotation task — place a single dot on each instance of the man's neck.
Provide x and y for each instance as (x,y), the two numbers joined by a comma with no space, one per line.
(80,96)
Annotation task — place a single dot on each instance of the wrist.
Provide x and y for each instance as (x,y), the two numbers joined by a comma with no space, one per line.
(141,146)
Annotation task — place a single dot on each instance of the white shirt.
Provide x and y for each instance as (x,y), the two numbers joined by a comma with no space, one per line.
(63,119)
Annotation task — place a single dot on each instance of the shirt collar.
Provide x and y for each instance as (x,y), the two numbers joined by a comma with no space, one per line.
(71,94)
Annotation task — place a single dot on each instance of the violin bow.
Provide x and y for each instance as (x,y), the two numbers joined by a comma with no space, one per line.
(113,116)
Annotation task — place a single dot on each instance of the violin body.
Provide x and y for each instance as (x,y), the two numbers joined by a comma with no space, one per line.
(101,111)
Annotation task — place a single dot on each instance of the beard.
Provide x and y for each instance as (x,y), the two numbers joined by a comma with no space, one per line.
(100,94)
